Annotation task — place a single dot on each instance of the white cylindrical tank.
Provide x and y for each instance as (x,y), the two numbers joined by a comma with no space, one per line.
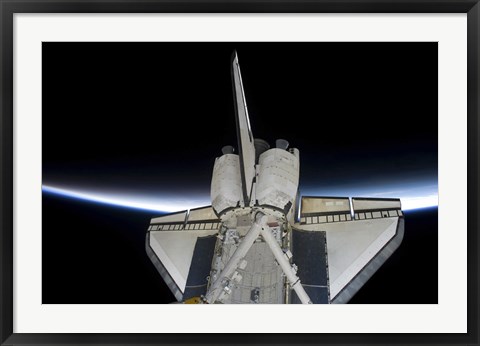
(226,188)
(277,180)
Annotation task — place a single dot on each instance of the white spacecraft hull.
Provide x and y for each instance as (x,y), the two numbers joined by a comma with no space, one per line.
(335,255)
(260,242)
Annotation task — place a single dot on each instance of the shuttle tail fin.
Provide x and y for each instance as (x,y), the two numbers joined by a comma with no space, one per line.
(246,147)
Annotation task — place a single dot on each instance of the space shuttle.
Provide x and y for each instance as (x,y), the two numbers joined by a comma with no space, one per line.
(260,242)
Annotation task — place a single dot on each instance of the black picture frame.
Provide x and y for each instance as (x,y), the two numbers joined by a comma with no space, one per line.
(9,7)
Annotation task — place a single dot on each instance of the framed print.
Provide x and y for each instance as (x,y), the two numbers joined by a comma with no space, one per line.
(342,172)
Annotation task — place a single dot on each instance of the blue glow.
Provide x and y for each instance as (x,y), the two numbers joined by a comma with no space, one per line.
(129,201)
(412,197)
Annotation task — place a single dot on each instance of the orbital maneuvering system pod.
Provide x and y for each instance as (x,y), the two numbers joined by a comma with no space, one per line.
(260,242)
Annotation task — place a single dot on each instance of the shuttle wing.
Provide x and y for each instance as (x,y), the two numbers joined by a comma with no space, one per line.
(337,253)
(246,147)
(181,246)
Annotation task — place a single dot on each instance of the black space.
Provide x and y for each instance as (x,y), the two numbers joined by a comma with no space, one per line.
(116,111)
(95,254)
(151,118)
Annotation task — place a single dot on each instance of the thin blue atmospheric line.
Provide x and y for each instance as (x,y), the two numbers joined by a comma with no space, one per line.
(86,196)
(78,196)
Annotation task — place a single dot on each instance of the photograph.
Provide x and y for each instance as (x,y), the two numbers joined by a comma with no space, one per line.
(239,172)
